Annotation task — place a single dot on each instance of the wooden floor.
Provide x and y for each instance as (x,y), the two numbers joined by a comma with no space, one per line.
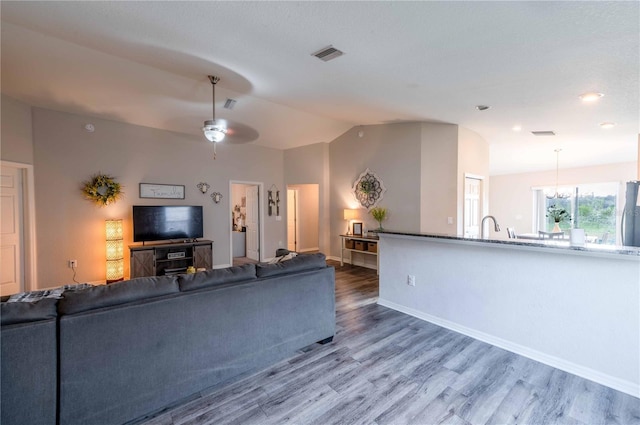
(239,261)
(385,367)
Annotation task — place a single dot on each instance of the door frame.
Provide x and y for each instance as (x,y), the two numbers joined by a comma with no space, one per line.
(296,208)
(29,252)
(260,217)
(483,200)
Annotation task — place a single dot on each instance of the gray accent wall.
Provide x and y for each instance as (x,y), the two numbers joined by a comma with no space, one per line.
(438,172)
(70,227)
(392,151)
(16,134)
(422,166)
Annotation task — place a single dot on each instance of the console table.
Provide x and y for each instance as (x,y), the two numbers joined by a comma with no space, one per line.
(360,244)
(170,258)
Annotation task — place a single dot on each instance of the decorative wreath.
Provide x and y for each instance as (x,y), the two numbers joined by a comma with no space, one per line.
(102,189)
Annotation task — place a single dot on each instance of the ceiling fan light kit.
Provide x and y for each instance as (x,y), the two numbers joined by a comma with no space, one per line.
(213,132)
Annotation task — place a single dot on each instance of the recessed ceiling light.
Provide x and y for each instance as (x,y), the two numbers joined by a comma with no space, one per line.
(607,124)
(482,107)
(590,97)
(516,128)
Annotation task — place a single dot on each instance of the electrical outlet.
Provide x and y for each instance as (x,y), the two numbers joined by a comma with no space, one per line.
(411,280)
(449,220)
(73,264)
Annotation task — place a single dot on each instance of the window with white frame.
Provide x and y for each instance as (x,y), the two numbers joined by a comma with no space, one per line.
(592,207)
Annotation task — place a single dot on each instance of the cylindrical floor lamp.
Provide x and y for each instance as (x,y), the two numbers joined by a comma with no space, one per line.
(115,251)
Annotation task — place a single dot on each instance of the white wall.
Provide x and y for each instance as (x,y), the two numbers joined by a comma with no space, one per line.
(70,227)
(571,310)
(511,196)
(16,136)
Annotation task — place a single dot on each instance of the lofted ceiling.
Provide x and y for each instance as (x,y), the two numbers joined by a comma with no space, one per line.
(147,63)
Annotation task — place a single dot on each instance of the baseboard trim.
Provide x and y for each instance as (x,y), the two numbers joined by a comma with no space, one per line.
(622,385)
(309,249)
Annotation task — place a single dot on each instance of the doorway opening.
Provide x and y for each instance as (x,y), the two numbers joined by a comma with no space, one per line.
(245,220)
(17,234)
(303,217)
(473,205)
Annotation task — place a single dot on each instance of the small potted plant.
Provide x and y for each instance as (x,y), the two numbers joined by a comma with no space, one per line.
(379,214)
(559,215)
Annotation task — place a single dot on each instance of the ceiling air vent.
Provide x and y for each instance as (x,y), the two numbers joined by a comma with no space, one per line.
(230,103)
(327,53)
(543,133)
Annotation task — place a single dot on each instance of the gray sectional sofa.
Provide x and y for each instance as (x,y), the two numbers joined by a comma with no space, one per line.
(111,354)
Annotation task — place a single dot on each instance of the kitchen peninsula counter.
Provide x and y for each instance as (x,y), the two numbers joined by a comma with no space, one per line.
(573,308)
(562,246)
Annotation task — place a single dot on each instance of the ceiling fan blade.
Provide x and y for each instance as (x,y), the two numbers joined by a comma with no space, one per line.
(237,133)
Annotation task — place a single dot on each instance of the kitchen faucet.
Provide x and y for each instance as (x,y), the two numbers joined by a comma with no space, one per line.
(495,222)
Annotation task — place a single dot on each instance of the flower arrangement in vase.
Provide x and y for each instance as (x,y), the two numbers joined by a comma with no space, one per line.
(559,215)
(379,214)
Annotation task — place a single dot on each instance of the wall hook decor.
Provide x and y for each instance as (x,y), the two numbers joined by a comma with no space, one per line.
(216,196)
(204,187)
(271,201)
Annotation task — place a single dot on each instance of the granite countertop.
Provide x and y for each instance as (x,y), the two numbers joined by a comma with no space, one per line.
(546,244)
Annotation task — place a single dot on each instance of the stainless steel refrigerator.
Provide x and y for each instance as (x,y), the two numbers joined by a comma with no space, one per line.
(630,223)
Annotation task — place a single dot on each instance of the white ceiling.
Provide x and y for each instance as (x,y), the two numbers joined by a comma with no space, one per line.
(147,63)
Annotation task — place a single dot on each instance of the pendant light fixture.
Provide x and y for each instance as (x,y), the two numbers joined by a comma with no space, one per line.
(558,195)
(213,132)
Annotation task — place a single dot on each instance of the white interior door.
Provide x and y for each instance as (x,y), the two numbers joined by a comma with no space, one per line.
(292,219)
(472,207)
(253,220)
(11,211)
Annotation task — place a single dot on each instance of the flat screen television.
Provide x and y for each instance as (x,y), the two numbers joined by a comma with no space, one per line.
(168,222)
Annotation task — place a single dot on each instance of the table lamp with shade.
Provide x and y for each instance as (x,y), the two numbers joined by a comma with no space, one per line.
(350,215)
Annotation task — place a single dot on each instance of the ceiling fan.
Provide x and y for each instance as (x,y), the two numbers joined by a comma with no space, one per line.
(218,130)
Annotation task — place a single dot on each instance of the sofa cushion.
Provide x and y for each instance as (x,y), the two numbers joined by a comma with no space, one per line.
(117,293)
(190,282)
(43,309)
(296,264)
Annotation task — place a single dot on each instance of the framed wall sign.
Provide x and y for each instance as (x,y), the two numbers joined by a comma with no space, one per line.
(162,191)
(357,229)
